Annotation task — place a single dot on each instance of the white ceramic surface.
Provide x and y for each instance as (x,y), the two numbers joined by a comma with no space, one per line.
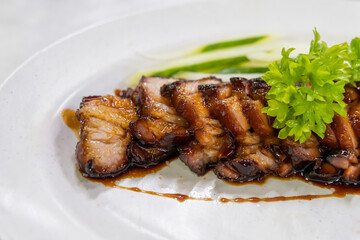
(28,26)
(42,196)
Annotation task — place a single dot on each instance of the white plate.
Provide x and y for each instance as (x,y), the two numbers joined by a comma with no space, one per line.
(42,195)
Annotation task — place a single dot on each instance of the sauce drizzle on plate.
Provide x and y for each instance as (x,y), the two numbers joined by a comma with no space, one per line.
(69,118)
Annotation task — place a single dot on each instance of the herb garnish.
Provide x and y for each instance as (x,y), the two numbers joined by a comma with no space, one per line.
(308,89)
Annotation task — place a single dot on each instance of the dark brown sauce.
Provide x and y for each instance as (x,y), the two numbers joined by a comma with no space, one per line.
(177,196)
(117,92)
(137,172)
(274,199)
(69,118)
(340,191)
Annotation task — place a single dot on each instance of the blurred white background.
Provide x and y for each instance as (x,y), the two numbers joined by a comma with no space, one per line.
(27,27)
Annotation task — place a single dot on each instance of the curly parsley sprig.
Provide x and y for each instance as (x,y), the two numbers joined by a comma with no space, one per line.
(307,90)
(354,60)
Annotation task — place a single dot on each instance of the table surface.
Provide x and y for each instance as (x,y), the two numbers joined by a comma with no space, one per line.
(27,27)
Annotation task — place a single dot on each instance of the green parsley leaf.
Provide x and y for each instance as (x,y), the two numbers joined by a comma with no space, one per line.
(307,90)
(354,59)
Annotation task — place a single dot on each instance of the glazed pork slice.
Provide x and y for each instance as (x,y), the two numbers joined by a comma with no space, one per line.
(255,89)
(333,158)
(159,129)
(211,141)
(330,138)
(345,133)
(336,165)
(354,117)
(159,124)
(105,134)
(340,161)
(145,156)
(251,160)
(302,154)
(226,107)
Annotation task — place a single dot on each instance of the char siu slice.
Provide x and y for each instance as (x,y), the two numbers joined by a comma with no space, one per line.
(252,160)
(159,124)
(211,141)
(105,134)
(159,128)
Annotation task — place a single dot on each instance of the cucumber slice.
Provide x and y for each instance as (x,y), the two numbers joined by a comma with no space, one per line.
(233,43)
(209,66)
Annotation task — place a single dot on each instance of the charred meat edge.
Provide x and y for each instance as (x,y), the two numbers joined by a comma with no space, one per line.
(104,131)
(211,142)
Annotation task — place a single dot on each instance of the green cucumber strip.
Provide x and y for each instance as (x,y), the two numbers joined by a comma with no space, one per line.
(233,43)
(243,70)
(213,66)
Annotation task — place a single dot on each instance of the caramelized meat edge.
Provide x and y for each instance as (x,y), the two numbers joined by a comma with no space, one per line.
(210,123)
(211,142)
(159,124)
(104,131)
(159,128)
(243,118)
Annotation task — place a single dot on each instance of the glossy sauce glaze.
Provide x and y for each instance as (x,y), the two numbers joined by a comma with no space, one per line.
(340,191)
(136,172)
(69,118)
